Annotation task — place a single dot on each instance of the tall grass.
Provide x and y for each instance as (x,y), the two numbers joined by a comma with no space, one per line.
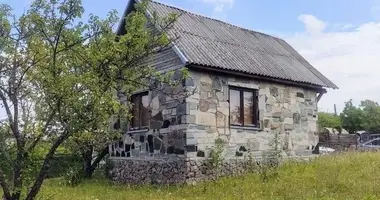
(343,176)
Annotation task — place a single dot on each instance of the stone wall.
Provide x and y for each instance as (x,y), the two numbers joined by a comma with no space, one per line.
(169,170)
(289,112)
(166,134)
(186,122)
(173,170)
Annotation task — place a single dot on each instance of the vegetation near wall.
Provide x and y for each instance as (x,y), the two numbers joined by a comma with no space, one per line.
(343,176)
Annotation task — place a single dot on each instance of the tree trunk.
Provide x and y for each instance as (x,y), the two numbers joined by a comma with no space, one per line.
(89,166)
(45,168)
(87,161)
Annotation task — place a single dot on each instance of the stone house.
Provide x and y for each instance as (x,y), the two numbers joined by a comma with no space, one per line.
(244,88)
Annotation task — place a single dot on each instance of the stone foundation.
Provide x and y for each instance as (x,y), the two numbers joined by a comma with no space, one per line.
(175,171)
(158,171)
(171,172)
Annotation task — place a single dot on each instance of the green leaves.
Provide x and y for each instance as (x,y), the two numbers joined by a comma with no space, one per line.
(329,120)
(371,116)
(62,80)
(352,118)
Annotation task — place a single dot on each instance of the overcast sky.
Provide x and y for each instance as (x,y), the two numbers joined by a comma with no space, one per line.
(341,38)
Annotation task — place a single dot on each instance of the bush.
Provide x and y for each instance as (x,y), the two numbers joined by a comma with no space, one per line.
(73,176)
(62,164)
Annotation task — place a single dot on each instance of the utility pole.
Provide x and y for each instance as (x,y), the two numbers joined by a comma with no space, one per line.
(335,110)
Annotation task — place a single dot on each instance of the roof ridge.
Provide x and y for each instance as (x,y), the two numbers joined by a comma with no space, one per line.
(213,19)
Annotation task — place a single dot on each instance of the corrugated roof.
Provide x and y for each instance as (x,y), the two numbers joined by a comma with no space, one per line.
(209,42)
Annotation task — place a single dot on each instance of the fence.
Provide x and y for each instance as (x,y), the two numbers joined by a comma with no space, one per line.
(338,142)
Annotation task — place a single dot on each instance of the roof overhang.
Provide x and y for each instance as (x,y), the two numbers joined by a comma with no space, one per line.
(317,88)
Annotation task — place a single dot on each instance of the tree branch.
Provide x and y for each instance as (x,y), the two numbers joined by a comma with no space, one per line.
(4,185)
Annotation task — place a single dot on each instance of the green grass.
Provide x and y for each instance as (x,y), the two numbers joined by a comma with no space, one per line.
(345,176)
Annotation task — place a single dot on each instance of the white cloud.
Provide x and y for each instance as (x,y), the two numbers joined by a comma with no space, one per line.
(348,57)
(312,24)
(220,5)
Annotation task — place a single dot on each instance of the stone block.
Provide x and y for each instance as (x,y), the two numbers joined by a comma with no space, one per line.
(286,93)
(205,87)
(182,109)
(216,83)
(271,100)
(191,141)
(205,118)
(275,125)
(203,77)
(286,113)
(274,91)
(211,129)
(204,105)
(212,105)
(221,119)
(203,95)
(262,101)
(189,81)
(300,100)
(300,95)
(276,114)
(288,127)
(267,123)
(296,118)
(268,108)
(221,96)
(188,119)
(288,120)
(172,104)
(192,105)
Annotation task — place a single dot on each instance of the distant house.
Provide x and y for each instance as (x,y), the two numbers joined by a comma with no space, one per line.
(248,86)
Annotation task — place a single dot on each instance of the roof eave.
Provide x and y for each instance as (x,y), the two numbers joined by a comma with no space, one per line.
(318,88)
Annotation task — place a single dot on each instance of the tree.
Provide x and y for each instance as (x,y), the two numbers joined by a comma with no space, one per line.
(123,64)
(352,118)
(59,77)
(371,116)
(329,120)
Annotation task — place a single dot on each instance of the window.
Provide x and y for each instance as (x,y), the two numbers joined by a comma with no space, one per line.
(140,111)
(244,107)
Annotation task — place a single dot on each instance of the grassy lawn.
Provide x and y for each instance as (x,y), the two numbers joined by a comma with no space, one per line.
(345,176)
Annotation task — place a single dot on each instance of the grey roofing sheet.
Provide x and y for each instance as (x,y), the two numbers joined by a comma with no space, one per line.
(210,42)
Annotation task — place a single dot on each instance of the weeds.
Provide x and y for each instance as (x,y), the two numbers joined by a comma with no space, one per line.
(358,179)
(216,157)
(271,159)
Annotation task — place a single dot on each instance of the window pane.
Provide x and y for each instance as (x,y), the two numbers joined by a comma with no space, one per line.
(145,115)
(248,108)
(235,107)
(136,100)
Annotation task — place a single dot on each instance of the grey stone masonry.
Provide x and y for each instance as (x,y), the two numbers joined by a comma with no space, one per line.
(290,112)
(187,120)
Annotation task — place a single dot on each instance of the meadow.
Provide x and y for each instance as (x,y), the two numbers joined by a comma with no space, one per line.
(342,176)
